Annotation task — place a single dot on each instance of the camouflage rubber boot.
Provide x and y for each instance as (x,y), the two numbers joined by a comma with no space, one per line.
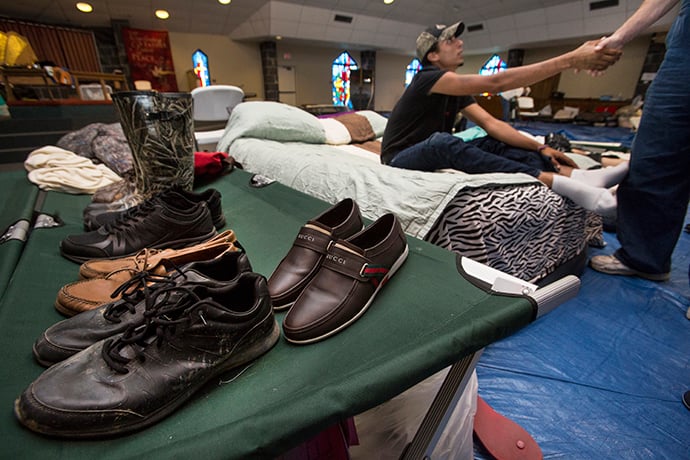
(159,130)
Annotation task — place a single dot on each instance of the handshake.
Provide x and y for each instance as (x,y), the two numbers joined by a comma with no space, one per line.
(595,56)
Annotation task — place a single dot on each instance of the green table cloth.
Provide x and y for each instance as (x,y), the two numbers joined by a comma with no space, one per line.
(426,318)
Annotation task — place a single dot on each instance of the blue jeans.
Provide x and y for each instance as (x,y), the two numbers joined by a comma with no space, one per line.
(484,155)
(653,198)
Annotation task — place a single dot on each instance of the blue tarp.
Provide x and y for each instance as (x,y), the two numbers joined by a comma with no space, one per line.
(601,377)
(578,132)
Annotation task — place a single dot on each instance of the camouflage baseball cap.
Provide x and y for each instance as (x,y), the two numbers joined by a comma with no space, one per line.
(436,33)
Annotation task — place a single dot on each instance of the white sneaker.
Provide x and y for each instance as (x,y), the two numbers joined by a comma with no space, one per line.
(612,266)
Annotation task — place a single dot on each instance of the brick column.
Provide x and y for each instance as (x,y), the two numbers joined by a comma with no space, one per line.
(117,25)
(515,57)
(368,61)
(269,65)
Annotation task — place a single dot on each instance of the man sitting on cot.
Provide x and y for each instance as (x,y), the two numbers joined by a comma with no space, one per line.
(418,132)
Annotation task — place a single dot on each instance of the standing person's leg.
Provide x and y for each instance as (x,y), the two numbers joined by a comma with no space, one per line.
(653,198)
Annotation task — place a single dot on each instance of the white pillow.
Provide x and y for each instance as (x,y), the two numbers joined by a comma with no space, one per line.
(274,121)
(336,132)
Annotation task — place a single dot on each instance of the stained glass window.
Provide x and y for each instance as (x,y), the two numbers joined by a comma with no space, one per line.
(340,79)
(413,67)
(493,65)
(200,66)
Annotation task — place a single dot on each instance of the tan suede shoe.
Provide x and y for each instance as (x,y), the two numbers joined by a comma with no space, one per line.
(84,295)
(102,268)
(92,293)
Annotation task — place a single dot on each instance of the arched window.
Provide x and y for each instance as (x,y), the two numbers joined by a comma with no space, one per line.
(413,67)
(340,79)
(200,62)
(493,65)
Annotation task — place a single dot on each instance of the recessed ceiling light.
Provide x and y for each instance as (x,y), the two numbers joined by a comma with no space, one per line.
(162,14)
(224,2)
(388,2)
(84,7)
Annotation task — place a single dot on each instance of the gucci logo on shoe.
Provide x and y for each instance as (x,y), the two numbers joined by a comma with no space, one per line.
(306,237)
(336,259)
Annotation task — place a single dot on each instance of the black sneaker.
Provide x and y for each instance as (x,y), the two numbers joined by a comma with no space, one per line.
(130,382)
(169,220)
(67,337)
(99,214)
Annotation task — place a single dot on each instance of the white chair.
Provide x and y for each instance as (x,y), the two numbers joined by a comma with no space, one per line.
(526,107)
(212,107)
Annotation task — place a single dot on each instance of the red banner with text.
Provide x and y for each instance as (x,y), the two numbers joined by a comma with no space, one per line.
(150,59)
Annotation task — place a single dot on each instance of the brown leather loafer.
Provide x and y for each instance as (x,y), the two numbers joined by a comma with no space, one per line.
(92,293)
(352,273)
(301,263)
(102,268)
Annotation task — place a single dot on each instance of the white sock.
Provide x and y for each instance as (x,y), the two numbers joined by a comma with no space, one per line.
(604,177)
(596,199)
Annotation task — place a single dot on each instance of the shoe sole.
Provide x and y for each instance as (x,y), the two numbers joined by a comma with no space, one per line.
(630,272)
(235,361)
(179,244)
(398,263)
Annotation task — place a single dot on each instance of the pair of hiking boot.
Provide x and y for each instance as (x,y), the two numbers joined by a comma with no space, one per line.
(127,364)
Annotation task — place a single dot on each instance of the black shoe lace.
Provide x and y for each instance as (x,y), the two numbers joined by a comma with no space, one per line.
(131,216)
(175,305)
(143,286)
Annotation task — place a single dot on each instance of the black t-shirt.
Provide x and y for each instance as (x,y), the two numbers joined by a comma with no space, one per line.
(419,113)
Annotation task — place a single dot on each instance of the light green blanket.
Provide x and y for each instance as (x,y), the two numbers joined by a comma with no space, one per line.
(286,144)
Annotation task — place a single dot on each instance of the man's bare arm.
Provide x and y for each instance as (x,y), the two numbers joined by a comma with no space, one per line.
(584,57)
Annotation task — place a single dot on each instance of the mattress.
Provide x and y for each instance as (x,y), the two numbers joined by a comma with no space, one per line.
(510,222)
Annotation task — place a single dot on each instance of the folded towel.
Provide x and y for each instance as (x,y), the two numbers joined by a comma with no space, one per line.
(358,126)
(53,168)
